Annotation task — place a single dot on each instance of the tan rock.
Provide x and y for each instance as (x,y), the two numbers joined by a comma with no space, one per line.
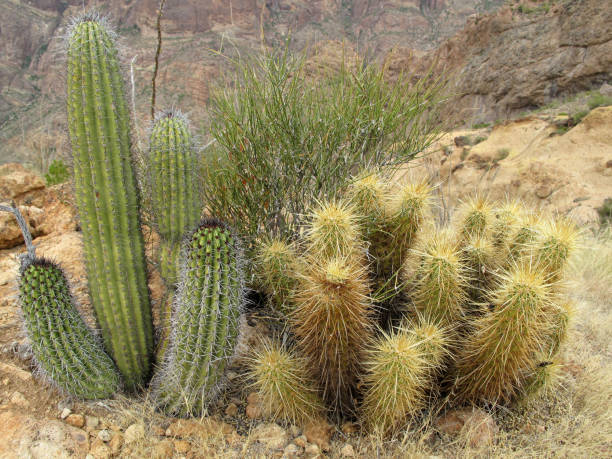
(478,427)
(17,398)
(101,451)
(319,432)
(270,434)
(116,443)
(291,451)
(105,435)
(163,449)
(231,409)
(347,451)
(253,409)
(312,449)
(301,441)
(10,233)
(75,420)
(92,422)
(17,183)
(12,370)
(134,433)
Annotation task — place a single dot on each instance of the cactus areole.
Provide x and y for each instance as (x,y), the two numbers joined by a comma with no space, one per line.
(107,198)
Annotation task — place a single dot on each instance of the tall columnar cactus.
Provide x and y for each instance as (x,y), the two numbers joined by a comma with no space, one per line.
(107,197)
(173,179)
(205,319)
(64,348)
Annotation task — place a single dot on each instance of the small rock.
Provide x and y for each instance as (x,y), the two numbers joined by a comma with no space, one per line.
(301,441)
(116,443)
(272,435)
(92,422)
(319,432)
(15,371)
(65,413)
(479,427)
(101,451)
(182,446)
(606,90)
(6,381)
(231,409)
(158,430)
(134,433)
(75,420)
(64,405)
(347,451)
(543,191)
(163,449)
(231,375)
(291,451)
(253,409)
(349,428)
(294,430)
(105,436)
(312,449)
(18,399)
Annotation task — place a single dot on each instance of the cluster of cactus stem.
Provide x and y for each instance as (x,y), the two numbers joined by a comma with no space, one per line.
(476,307)
(210,293)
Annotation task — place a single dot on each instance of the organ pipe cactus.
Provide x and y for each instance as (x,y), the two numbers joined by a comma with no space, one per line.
(107,197)
(205,320)
(173,179)
(64,348)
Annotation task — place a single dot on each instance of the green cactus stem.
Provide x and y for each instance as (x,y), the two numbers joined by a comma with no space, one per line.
(64,349)
(173,179)
(205,318)
(107,198)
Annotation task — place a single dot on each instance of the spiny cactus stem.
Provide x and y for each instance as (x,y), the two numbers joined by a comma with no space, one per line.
(27,236)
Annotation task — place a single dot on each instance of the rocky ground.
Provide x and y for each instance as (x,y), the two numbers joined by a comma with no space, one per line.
(565,170)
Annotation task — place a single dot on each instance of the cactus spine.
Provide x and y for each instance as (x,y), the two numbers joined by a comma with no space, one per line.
(285,387)
(205,321)
(173,176)
(63,346)
(107,198)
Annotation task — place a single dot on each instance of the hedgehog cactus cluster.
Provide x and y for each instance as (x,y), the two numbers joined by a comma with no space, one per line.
(477,309)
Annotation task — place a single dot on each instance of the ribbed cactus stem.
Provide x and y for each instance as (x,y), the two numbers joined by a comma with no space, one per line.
(64,348)
(206,310)
(107,198)
(173,178)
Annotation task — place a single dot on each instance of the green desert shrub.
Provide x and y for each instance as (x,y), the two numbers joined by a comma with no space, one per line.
(285,138)
(58,173)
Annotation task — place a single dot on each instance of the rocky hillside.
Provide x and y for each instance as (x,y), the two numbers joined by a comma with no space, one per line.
(522,57)
(31,58)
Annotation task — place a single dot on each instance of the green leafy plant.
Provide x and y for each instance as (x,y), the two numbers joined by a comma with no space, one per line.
(58,173)
(286,138)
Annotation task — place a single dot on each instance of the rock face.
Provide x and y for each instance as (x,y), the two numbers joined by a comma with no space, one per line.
(508,62)
(530,160)
(32,65)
